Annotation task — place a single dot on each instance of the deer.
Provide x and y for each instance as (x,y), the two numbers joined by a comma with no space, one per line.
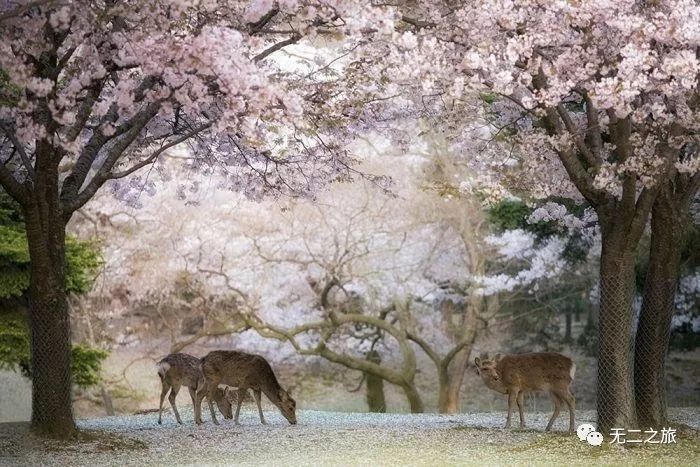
(244,371)
(180,369)
(516,374)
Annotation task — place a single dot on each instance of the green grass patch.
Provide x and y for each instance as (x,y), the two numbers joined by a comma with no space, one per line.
(566,449)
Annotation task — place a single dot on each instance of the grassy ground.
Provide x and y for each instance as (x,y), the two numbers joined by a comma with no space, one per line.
(331,438)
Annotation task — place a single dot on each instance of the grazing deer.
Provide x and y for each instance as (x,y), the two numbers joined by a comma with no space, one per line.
(244,371)
(516,374)
(180,369)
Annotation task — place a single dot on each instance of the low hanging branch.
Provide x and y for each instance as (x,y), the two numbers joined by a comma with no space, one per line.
(327,328)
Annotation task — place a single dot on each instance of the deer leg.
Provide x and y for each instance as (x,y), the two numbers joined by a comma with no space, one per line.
(229,413)
(193,396)
(512,395)
(256,394)
(212,385)
(571,404)
(241,394)
(229,404)
(199,393)
(520,409)
(171,398)
(557,405)
(193,393)
(163,392)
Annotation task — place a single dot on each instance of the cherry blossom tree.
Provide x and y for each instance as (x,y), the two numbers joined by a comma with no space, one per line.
(609,91)
(92,92)
(594,100)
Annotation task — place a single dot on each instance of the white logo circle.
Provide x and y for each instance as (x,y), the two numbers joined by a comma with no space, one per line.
(583,430)
(594,438)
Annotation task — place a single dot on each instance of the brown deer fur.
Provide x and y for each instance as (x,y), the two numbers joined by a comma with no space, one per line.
(516,374)
(244,371)
(180,369)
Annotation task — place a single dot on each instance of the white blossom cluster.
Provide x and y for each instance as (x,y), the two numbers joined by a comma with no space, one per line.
(542,262)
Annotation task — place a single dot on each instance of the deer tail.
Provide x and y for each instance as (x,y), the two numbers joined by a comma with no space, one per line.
(163,368)
(572,370)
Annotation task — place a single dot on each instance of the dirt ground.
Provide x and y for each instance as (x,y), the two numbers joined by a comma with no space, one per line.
(334,438)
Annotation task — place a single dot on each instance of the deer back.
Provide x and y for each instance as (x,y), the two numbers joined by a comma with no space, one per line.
(240,369)
(181,369)
(535,371)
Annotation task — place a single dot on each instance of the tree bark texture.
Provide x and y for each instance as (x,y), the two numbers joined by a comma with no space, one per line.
(668,227)
(49,320)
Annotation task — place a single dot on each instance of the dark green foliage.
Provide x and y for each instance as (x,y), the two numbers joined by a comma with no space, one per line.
(488,98)
(539,315)
(509,215)
(86,365)
(14,343)
(513,214)
(83,258)
(588,339)
(684,339)
(14,352)
(9,93)
(14,257)
(690,258)
(576,250)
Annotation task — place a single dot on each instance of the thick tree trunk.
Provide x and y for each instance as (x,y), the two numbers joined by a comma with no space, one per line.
(375,386)
(615,393)
(449,395)
(654,328)
(414,400)
(443,388)
(450,402)
(49,320)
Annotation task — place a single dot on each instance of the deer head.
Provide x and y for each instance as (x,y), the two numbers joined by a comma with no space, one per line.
(487,369)
(225,397)
(287,406)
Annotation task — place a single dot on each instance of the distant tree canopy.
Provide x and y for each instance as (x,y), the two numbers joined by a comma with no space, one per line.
(83,259)
(513,214)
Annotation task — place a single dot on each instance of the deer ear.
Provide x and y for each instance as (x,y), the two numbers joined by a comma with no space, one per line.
(477,362)
(497,357)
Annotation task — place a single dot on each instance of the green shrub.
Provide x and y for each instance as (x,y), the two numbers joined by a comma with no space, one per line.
(83,260)
(86,365)
(14,353)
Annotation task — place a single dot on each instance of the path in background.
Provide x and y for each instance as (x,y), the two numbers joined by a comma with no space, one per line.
(15,397)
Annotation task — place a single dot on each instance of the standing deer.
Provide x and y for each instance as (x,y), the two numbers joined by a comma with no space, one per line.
(244,371)
(516,374)
(180,369)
